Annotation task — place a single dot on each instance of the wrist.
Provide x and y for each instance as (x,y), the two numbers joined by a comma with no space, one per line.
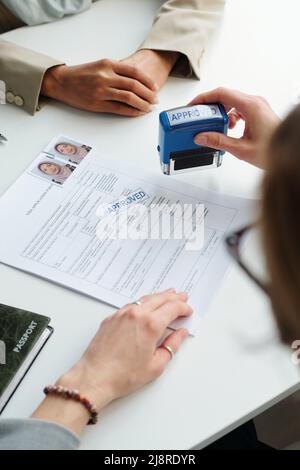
(156,64)
(166,59)
(53,81)
(97,390)
(67,413)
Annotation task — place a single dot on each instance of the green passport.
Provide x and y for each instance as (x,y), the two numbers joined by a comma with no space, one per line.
(22,336)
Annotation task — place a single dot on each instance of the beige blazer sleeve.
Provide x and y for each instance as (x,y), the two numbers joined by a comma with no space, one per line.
(22,71)
(185,26)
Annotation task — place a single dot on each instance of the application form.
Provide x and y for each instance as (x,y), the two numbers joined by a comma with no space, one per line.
(53,219)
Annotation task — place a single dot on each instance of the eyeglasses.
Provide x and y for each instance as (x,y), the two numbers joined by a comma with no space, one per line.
(234,242)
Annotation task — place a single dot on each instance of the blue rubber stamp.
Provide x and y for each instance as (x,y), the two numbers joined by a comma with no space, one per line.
(177,128)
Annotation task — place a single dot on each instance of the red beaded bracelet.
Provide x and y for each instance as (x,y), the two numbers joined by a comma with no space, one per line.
(71,394)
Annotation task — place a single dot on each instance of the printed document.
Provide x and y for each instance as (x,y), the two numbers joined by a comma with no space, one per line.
(58,221)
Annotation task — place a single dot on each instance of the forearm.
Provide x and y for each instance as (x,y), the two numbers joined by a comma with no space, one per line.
(157,64)
(32,434)
(185,27)
(69,413)
(52,85)
(22,71)
(167,58)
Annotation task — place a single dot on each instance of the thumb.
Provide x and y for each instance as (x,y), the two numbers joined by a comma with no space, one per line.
(218,141)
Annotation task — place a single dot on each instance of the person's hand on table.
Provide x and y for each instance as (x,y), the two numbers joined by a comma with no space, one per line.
(122,357)
(105,86)
(259,118)
(157,65)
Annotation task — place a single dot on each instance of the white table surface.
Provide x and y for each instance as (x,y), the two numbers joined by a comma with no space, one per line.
(236,367)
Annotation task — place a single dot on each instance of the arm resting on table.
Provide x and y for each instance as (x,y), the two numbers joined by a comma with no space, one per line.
(32,434)
(185,26)
(22,71)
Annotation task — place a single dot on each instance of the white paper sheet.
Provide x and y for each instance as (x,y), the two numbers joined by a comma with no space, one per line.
(49,228)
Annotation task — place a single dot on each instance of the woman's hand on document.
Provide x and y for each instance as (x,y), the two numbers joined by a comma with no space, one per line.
(259,123)
(105,86)
(124,356)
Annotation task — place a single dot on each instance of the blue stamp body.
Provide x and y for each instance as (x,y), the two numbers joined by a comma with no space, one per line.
(177,128)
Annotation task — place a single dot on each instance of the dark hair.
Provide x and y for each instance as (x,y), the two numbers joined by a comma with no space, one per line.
(64,143)
(281,224)
(41,164)
(47,163)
